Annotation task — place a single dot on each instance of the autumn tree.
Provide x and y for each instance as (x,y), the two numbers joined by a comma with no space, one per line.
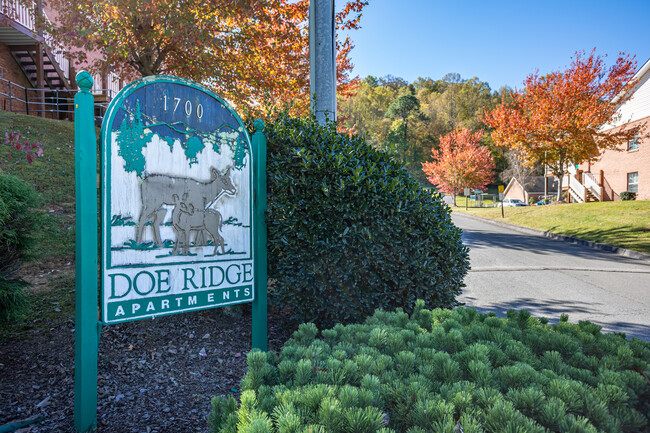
(451,103)
(558,119)
(445,104)
(461,162)
(254,53)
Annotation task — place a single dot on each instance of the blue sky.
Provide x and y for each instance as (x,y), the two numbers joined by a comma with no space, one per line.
(498,41)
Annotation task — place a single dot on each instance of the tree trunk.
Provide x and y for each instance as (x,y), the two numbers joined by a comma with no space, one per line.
(559,172)
(406,126)
(559,185)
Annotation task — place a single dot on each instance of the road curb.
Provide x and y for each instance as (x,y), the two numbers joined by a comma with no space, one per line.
(595,245)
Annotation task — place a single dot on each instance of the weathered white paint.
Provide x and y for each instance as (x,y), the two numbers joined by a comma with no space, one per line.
(126,200)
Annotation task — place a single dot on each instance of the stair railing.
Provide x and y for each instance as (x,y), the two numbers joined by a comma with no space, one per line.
(112,83)
(591,183)
(57,102)
(576,189)
(18,12)
(580,187)
(24,16)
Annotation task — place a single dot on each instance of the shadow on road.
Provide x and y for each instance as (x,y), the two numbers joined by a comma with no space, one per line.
(546,308)
(478,239)
(552,309)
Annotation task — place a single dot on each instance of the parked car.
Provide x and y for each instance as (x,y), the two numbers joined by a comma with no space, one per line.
(513,202)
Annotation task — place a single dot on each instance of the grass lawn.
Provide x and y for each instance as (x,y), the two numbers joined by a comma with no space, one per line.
(622,223)
(52,175)
(51,273)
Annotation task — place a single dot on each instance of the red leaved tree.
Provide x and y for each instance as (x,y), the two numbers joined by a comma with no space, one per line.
(461,162)
(254,53)
(14,142)
(557,119)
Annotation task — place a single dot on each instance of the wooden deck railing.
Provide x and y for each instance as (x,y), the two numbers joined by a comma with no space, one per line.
(591,183)
(112,83)
(25,17)
(18,12)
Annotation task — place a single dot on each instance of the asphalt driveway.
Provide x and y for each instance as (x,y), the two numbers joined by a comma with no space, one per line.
(515,270)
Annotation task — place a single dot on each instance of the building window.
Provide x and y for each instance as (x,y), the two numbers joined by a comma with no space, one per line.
(633,144)
(633,182)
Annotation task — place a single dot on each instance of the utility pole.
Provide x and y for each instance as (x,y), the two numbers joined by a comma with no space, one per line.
(322,59)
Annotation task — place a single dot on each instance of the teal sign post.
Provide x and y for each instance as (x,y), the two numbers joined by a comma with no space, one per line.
(86,326)
(183,205)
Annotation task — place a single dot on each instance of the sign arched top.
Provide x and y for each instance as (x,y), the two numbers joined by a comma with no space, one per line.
(175,100)
(177,203)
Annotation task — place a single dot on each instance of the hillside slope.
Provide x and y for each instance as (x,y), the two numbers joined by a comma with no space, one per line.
(51,175)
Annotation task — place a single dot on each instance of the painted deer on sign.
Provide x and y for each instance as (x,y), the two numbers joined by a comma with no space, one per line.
(158,190)
(187,218)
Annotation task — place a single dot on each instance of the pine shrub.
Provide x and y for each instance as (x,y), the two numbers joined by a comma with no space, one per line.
(456,370)
(349,231)
(18,223)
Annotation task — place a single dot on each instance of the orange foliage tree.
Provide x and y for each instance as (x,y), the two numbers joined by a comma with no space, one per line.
(557,119)
(461,162)
(253,52)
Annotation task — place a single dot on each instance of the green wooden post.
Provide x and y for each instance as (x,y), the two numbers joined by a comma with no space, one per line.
(86,338)
(259,319)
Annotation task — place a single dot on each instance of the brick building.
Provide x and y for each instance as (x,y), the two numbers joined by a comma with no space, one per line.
(628,167)
(36,75)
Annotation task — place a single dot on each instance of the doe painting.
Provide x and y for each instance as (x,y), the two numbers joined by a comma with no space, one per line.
(177,202)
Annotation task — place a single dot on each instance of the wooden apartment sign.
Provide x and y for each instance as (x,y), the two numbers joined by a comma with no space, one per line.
(177,202)
(183,214)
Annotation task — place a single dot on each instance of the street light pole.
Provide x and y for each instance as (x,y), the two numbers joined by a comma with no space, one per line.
(322,60)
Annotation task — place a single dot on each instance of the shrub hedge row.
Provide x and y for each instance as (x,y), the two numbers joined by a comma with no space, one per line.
(628,195)
(18,222)
(444,371)
(350,231)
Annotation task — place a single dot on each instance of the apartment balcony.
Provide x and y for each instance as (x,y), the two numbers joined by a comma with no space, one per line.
(17,24)
(50,73)
(43,61)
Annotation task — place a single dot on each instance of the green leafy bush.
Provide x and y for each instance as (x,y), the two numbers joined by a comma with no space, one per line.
(444,371)
(18,221)
(350,231)
(628,195)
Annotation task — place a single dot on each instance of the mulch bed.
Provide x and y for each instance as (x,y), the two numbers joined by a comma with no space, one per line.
(154,375)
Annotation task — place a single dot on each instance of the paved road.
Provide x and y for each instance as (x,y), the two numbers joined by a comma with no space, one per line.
(512,270)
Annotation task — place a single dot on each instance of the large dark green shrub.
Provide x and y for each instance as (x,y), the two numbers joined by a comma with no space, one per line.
(18,222)
(350,231)
(445,371)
